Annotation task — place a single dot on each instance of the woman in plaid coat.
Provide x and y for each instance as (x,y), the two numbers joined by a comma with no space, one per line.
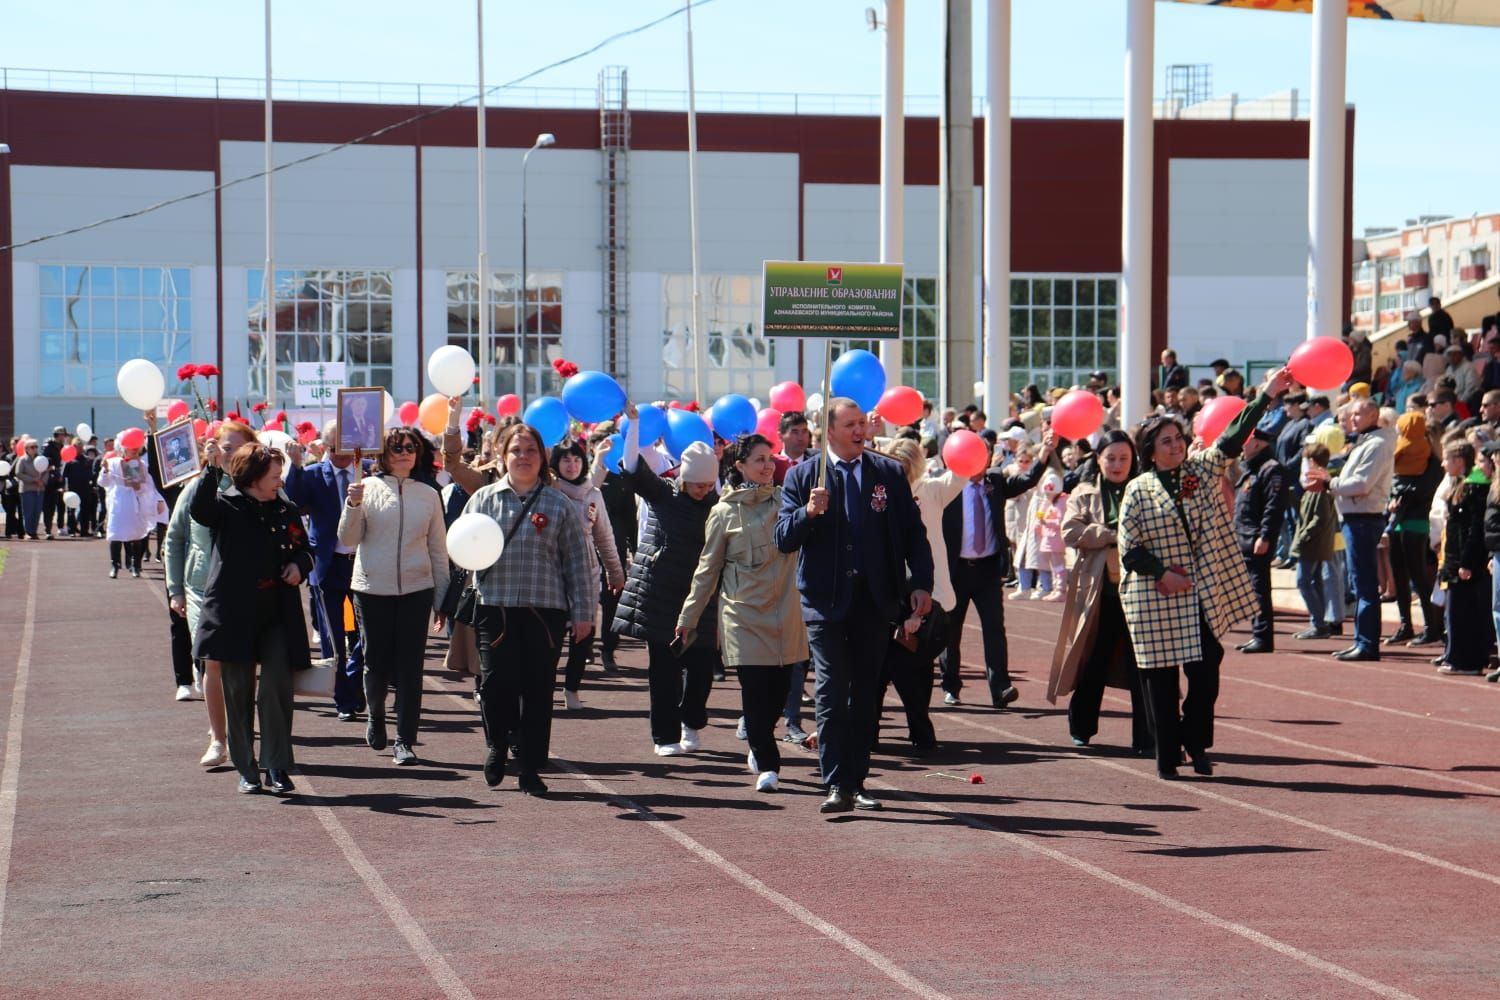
(1185,581)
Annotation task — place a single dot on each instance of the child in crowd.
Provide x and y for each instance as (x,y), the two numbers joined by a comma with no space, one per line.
(1312,545)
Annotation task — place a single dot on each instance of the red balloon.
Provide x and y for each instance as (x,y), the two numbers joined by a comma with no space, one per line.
(69,453)
(965,453)
(200,428)
(407,414)
(901,405)
(1077,415)
(20,447)
(131,437)
(1323,362)
(1215,416)
(177,411)
(768,426)
(508,405)
(788,397)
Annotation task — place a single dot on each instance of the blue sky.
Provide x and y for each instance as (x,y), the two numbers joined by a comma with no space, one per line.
(1426,140)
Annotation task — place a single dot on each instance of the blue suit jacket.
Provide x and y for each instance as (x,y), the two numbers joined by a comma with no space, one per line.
(892,540)
(315,490)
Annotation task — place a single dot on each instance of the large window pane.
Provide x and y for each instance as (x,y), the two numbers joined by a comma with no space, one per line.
(322,314)
(739,359)
(1064,333)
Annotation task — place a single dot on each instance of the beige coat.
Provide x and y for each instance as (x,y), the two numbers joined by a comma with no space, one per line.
(933,495)
(760,613)
(400,541)
(1084,531)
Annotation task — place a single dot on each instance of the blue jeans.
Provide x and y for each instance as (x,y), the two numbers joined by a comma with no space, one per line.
(1314,593)
(792,711)
(1495,591)
(1361,547)
(31,511)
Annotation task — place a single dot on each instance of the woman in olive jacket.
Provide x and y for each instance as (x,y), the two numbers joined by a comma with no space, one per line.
(252,607)
(1465,568)
(760,616)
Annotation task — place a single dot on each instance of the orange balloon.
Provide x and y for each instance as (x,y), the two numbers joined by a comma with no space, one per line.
(432,414)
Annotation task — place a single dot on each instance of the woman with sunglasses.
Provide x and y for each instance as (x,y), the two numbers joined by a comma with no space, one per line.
(1185,582)
(394,522)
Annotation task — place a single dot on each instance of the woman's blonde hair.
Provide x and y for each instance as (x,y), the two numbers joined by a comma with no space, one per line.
(911,456)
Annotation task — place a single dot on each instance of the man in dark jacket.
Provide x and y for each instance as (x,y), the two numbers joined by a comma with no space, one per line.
(1170,375)
(619,505)
(1260,499)
(860,546)
(1288,453)
(53,510)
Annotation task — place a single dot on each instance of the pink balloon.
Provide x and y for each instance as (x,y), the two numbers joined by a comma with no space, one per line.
(964,452)
(508,405)
(177,411)
(901,405)
(788,397)
(1323,362)
(1077,415)
(407,414)
(768,426)
(1215,416)
(131,437)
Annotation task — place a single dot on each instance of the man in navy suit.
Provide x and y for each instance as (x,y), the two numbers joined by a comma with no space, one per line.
(319,490)
(978,563)
(861,547)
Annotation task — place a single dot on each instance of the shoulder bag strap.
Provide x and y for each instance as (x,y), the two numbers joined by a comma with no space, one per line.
(509,532)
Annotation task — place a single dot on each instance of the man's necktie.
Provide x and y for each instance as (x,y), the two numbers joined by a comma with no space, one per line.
(981,529)
(851,497)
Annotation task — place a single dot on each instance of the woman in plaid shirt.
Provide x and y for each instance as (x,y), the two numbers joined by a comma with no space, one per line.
(527,598)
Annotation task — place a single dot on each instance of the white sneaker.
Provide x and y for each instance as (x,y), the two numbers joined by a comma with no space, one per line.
(767,781)
(184,692)
(690,740)
(668,749)
(752,763)
(214,755)
(324,663)
(1034,595)
(570,700)
(1020,595)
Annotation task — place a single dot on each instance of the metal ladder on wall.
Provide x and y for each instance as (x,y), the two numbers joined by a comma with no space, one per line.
(614,187)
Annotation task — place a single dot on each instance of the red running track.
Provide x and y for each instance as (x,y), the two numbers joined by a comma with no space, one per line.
(1346,846)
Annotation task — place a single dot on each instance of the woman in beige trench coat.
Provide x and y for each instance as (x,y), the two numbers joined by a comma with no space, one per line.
(1093,645)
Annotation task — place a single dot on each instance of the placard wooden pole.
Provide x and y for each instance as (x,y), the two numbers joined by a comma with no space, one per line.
(827,397)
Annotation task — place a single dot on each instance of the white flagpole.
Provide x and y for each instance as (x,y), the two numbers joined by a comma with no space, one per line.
(486,320)
(700,349)
(270,279)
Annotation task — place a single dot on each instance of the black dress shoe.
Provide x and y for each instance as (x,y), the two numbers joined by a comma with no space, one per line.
(1401,634)
(248,787)
(114,572)
(1008,695)
(608,665)
(1427,638)
(837,802)
(1201,764)
(1258,646)
(863,800)
(1167,773)
(1439,661)
(1355,653)
(494,767)
(530,784)
(279,782)
(1347,649)
(1313,632)
(374,733)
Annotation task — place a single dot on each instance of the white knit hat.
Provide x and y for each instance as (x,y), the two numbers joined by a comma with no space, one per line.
(699,465)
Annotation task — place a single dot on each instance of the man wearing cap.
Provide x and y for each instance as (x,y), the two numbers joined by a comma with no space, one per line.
(1260,500)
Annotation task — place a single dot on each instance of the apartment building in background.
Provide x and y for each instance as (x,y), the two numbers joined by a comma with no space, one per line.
(1397,270)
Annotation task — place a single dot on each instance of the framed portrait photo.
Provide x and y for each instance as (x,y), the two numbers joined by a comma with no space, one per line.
(361,420)
(177,453)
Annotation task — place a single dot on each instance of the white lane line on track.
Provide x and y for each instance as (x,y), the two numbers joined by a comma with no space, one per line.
(1202,916)
(1306,694)
(437,966)
(10,774)
(787,905)
(1194,788)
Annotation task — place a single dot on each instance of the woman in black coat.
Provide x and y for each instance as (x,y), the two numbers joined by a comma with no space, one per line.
(1465,569)
(657,585)
(252,607)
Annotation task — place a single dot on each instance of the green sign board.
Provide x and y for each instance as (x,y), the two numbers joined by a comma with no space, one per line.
(811,299)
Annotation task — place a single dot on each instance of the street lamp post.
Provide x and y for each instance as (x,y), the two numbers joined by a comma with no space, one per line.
(544,139)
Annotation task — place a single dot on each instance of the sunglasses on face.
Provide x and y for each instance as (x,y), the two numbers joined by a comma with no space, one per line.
(401,448)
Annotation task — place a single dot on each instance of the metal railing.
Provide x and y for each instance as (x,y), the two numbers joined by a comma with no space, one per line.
(441,94)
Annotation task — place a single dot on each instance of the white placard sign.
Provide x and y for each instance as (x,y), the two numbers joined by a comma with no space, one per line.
(318,383)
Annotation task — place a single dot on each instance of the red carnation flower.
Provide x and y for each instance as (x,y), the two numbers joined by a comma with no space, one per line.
(210,405)
(235,416)
(692,406)
(472,424)
(260,407)
(281,417)
(208,371)
(476,380)
(305,425)
(564,367)
(186,372)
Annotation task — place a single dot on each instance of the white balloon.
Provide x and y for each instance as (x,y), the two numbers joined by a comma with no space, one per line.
(475,541)
(814,402)
(71,500)
(451,370)
(978,390)
(4,468)
(41,463)
(84,432)
(388,410)
(755,402)
(141,384)
(275,440)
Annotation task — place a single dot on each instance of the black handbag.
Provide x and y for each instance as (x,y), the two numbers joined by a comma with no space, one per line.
(466,604)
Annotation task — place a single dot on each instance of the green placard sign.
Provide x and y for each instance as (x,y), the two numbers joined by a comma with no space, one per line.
(812,299)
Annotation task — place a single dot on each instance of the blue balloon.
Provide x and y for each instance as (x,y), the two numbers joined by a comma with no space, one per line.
(860,376)
(683,428)
(653,425)
(732,416)
(615,460)
(549,417)
(593,396)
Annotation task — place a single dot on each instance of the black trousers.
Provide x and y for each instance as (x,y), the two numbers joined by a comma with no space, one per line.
(133,553)
(182,649)
(609,640)
(1263,625)
(54,511)
(12,505)
(762,697)
(272,705)
(1112,651)
(518,653)
(847,657)
(88,511)
(912,676)
(394,629)
(578,658)
(680,686)
(1193,729)
(1471,629)
(1412,567)
(978,581)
